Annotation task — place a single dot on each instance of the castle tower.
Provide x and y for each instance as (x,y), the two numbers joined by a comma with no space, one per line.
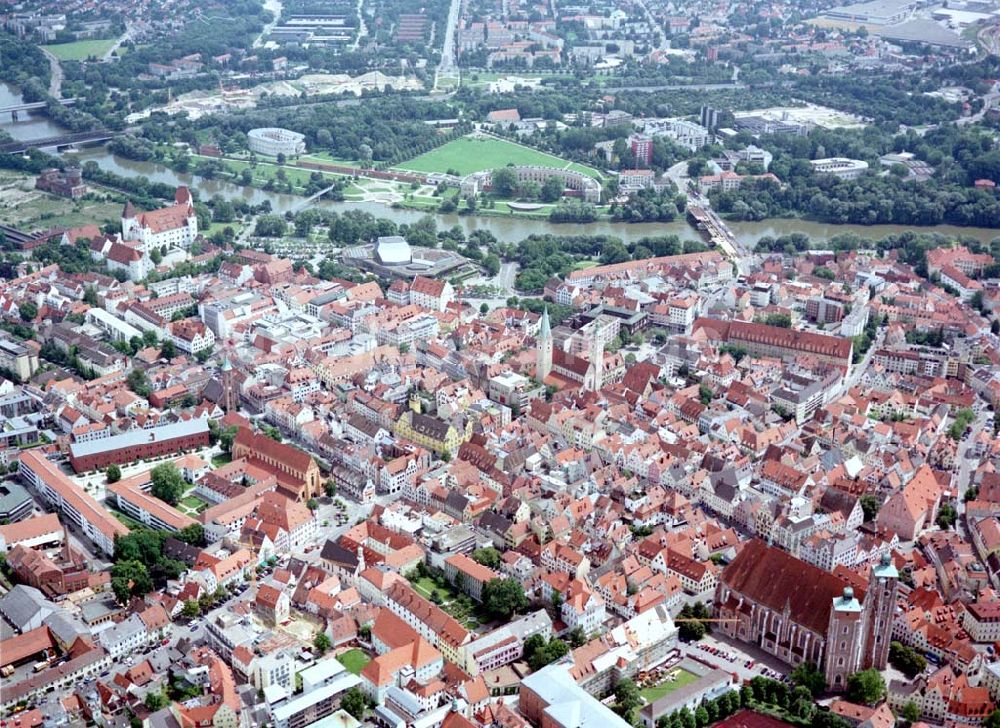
(230,400)
(543,363)
(595,372)
(129,222)
(880,608)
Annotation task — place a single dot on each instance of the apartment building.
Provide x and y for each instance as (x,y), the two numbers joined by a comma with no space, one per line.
(78,506)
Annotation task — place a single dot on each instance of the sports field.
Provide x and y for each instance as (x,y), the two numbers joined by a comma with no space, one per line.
(468,155)
(80,50)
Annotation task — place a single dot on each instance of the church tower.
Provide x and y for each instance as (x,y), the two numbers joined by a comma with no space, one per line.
(880,608)
(543,362)
(845,637)
(595,372)
(230,399)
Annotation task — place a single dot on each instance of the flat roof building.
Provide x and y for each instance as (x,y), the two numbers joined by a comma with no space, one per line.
(138,445)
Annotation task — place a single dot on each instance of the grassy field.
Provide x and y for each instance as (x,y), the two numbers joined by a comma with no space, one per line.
(681,678)
(325,157)
(23,206)
(193,504)
(80,50)
(221,459)
(354,660)
(467,155)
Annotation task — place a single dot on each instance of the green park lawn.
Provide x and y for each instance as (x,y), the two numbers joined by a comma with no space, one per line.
(80,50)
(468,155)
(682,678)
(354,660)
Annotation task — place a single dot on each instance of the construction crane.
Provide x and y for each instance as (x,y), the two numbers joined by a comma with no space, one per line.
(696,619)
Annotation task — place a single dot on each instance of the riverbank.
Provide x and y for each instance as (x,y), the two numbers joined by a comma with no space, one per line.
(509,228)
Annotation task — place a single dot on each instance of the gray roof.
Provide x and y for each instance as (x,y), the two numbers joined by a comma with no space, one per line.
(12,495)
(65,628)
(22,604)
(139,437)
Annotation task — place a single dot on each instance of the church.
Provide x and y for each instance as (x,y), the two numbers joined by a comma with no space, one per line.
(801,613)
(591,373)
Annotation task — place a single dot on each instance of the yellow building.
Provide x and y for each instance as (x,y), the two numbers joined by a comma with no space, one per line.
(431,433)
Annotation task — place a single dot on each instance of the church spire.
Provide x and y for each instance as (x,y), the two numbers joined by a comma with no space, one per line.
(543,363)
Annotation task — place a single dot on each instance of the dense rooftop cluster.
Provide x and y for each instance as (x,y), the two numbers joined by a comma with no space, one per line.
(274,498)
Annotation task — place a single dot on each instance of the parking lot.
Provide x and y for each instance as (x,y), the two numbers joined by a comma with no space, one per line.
(747,661)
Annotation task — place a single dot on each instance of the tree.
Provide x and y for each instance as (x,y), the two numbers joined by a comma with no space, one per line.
(311,504)
(705,394)
(355,703)
(113,473)
(168,350)
(701,717)
(947,515)
(911,713)
(504,181)
(627,699)
(488,557)
(168,483)
(484,308)
(544,653)
(193,534)
(28,311)
(504,597)
(692,628)
(906,659)
(226,438)
(866,687)
(577,637)
(330,488)
(130,577)
(270,226)
(552,189)
(191,609)
(321,643)
(807,675)
(870,506)
(138,382)
(155,701)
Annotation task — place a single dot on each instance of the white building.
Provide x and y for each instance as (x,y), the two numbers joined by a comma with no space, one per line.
(839,167)
(273,141)
(172,227)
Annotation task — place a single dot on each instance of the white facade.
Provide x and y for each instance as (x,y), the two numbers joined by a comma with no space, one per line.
(273,141)
(839,167)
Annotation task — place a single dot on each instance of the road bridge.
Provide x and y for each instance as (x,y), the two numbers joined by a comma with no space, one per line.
(19,146)
(15,109)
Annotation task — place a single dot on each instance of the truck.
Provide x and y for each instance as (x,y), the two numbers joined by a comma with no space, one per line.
(39,666)
(6,671)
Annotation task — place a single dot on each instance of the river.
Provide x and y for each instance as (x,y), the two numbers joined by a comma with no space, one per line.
(508,229)
(29,125)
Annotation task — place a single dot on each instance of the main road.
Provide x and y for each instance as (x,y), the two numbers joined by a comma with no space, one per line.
(448,67)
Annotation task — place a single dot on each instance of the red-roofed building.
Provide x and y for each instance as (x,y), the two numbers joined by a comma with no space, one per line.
(174,227)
